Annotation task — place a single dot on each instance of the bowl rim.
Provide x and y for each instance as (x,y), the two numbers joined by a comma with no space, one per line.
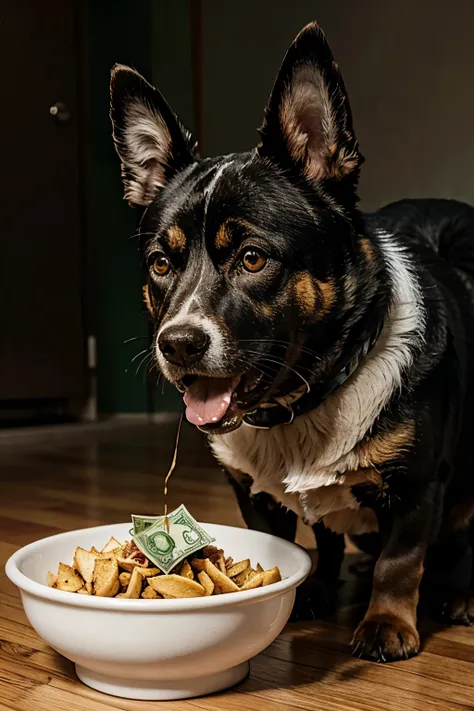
(42,591)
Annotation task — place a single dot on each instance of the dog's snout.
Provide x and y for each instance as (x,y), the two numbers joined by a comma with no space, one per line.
(183,345)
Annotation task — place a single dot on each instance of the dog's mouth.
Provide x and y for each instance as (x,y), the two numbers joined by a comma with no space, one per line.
(218,404)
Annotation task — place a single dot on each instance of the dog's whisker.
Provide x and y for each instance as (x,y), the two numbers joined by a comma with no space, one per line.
(135,338)
(282,364)
(281,343)
(287,367)
(256,363)
(145,350)
(268,374)
(141,234)
(151,366)
(144,360)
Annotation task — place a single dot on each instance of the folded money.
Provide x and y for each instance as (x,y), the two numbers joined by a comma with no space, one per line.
(142,522)
(167,543)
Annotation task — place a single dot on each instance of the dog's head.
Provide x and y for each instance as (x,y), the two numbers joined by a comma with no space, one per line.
(257,267)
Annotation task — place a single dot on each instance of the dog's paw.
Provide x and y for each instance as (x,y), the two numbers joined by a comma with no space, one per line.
(458,608)
(385,638)
(315,598)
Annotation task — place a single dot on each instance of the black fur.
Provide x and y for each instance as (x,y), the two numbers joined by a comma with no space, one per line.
(325,281)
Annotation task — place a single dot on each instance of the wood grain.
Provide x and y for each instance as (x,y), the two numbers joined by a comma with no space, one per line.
(92,476)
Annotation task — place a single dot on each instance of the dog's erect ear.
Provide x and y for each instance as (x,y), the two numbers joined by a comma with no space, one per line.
(308,123)
(151,142)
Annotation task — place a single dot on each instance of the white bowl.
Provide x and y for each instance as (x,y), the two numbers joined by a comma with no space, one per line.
(159,649)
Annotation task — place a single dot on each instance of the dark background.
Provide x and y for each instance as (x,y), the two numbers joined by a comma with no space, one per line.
(70,276)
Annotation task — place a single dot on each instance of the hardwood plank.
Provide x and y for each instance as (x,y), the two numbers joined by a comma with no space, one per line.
(434,677)
(99,476)
(59,689)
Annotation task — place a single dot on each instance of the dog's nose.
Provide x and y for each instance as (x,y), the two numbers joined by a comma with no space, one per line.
(183,345)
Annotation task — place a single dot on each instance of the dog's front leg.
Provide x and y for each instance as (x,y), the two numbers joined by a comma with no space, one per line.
(317,596)
(262,512)
(389,629)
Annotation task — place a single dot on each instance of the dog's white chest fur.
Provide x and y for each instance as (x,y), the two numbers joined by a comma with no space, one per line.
(303,464)
(287,462)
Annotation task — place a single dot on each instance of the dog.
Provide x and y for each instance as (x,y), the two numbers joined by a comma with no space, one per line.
(326,353)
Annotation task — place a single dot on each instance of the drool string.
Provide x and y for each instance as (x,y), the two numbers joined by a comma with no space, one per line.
(171,470)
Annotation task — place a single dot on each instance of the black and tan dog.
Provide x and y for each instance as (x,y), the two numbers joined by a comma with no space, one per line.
(327,353)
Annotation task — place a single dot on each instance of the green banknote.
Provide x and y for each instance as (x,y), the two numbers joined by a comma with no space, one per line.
(140,523)
(166,548)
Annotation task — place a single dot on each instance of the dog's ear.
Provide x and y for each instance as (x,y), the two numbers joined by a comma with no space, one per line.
(150,140)
(307,126)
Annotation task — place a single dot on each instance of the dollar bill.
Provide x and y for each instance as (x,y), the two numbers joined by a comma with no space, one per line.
(140,523)
(166,548)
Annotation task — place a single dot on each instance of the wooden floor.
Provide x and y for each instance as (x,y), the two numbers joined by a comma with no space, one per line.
(57,483)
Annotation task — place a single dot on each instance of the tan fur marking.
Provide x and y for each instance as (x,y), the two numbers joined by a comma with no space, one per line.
(176,238)
(363,476)
(394,612)
(460,516)
(383,448)
(390,621)
(327,290)
(147,298)
(305,292)
(368,249)
(267,310)
(353,521)
(396,589)
(366,521)
(224,234)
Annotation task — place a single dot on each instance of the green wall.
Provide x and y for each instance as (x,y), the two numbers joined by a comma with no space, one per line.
(155,38)
(118,31)
(171,57)
(172,75)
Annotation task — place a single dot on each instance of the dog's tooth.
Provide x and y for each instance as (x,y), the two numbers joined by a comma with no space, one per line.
(214,419)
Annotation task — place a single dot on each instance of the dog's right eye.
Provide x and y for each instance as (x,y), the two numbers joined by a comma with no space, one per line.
(253,261)
(161,265)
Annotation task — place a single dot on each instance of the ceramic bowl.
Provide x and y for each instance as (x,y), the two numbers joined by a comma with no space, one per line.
(159,649)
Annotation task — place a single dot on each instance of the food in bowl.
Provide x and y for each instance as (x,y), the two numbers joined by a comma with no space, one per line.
(123,571)
(159,649)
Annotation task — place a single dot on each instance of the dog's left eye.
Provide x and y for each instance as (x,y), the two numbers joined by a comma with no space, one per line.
(253,260)
(161,265)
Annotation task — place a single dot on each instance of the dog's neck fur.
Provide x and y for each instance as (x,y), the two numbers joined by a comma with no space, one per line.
(291,462)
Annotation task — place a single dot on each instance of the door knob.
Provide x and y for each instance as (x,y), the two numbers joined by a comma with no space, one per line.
(59,111)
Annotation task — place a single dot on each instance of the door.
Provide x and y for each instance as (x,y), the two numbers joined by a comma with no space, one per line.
(41,258)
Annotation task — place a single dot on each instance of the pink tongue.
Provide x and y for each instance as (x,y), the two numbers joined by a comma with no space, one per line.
(208,399)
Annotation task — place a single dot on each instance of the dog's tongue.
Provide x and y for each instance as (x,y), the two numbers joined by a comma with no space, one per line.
(208,399)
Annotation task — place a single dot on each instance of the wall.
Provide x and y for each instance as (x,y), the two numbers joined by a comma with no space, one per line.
(172,70)
(408,67)
(172,74)
(154,38)
(118,31)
